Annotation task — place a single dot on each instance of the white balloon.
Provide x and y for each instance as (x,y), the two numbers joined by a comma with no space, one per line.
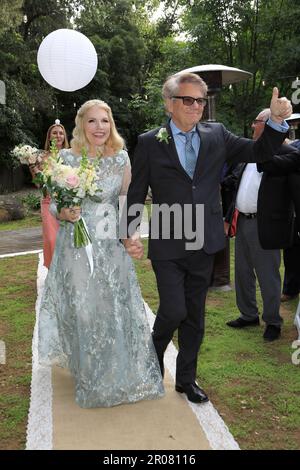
(67,60)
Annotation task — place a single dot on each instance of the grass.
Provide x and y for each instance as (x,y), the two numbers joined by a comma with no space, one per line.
(253,384)
(33,219)
(17,294)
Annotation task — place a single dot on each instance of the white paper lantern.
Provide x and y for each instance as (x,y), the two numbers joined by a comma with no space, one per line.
(67,60)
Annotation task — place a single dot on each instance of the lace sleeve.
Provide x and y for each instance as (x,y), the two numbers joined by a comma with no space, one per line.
(63,153)
(126,177)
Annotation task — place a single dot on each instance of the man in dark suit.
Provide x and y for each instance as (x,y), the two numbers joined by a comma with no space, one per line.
(277,199)
(182,163)
(291,255)
(279,226)
(294,185)
(265,224)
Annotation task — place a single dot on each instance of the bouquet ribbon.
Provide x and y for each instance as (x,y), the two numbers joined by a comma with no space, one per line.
(89,250)
(82,239)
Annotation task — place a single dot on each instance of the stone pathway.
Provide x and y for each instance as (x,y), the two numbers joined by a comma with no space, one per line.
(23,240)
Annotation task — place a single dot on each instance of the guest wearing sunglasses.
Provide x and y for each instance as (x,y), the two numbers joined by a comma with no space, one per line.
(182,163)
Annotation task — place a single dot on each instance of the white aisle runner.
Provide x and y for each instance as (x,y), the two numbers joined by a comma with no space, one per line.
(40,425)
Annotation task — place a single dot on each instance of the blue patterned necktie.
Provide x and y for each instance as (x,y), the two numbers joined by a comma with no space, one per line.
(190,154)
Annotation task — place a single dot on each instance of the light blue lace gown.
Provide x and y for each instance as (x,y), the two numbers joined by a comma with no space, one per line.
(96,324)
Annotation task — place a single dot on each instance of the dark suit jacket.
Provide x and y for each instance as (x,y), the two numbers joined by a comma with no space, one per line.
(275,206)
(156,164)
(279,199)
(294,187)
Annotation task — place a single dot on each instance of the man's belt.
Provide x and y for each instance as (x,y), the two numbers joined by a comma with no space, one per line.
(248,216)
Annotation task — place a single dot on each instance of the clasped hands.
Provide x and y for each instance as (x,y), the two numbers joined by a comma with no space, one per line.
(281,108)
(134,246)
(70,214)
(34,169)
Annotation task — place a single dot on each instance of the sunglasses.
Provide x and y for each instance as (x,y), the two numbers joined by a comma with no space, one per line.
(189,100)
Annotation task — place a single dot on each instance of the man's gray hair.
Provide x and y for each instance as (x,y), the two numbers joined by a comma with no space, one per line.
(172,84)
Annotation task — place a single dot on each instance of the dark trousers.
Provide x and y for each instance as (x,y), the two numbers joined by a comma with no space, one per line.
(182,285)
(251,262)
(291,282)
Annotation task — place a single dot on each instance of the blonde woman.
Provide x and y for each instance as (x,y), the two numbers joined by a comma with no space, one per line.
(94,323)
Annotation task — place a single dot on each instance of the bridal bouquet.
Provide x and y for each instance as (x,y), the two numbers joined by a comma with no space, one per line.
(68,186)
(27,155)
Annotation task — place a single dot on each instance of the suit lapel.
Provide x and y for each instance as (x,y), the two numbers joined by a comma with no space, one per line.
(203,131)
(172,152)
(170,148)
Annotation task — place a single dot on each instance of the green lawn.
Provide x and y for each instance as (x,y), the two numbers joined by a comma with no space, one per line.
(18,295)
(253,384)
(32,220)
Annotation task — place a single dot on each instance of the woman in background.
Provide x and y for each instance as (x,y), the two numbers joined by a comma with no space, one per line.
(50,225)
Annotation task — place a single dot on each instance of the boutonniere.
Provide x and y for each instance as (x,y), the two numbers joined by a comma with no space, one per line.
(163,135)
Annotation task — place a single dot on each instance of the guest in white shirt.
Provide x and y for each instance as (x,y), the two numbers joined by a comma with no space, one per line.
(251,260)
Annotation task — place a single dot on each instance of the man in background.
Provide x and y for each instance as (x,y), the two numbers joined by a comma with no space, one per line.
(265,223)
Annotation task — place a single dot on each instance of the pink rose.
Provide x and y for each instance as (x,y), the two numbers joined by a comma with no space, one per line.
(72,181)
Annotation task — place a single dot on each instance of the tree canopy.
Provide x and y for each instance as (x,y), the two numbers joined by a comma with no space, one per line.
(139,43)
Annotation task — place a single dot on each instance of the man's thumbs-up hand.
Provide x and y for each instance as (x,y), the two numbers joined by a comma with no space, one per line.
(281,108)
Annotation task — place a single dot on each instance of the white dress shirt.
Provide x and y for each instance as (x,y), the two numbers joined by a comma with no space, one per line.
(247,195)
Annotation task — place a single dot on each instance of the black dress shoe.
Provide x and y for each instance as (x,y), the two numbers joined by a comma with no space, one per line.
(194,393)
(241,323)
(272,333)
